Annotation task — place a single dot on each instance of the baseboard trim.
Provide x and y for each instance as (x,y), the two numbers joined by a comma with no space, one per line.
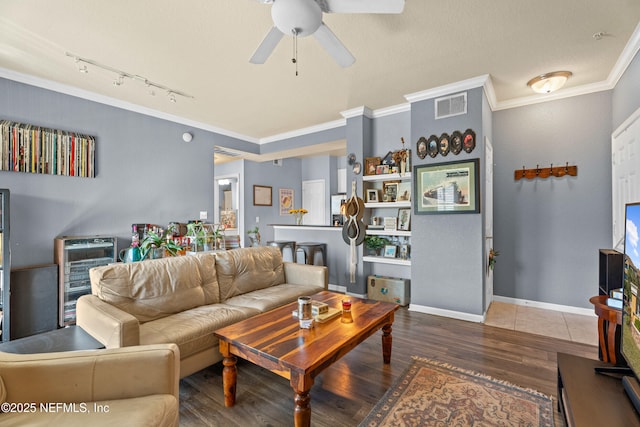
(337,288)
(477,318)
(545,305)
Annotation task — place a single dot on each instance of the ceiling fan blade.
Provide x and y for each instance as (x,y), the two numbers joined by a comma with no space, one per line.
(266,47)
(361,6)
(336,49)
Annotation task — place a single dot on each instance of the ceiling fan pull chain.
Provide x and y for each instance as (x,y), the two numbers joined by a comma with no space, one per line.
(295,48)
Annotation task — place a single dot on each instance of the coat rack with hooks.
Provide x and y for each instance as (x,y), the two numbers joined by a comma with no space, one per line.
(538,172)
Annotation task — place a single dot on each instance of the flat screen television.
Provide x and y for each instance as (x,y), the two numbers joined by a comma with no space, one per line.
(630,335)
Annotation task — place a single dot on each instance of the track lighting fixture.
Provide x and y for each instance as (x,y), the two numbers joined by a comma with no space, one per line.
(121,75)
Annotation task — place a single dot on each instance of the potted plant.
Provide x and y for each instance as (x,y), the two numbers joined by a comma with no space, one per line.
(375,244)
(254,236)
(198,235)
(157,245)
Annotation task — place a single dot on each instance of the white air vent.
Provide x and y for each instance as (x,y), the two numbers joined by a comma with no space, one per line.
(277,162)
(453,105)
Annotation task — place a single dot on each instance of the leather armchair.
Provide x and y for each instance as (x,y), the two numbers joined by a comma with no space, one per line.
(133,386)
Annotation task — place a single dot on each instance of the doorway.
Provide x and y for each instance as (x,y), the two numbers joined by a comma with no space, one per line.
(313,200)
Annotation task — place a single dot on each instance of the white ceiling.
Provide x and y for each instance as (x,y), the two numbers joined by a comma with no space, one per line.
(202,48)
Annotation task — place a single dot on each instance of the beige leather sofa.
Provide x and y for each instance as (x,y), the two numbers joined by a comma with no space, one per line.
(134,386)
(183,300)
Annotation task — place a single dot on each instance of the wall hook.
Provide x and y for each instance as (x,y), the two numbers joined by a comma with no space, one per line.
(545,172)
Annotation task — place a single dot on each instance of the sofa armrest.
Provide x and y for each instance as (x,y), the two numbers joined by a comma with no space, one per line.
(306,274)
(91,375)
(106,323)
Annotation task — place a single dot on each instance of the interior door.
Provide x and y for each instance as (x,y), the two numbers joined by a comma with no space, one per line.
(488,218)
(313,200)
(625,181)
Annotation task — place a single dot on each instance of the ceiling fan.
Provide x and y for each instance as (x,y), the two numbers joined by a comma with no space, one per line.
(301,18)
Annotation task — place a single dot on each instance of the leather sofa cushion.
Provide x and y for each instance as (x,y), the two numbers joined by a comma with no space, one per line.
(155,410)
(269,298)
(192,330)
(248,269)
(154,289)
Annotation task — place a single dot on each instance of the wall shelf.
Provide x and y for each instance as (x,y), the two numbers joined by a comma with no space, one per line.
(406,204)
(388,233)
(385,260)
(388,177)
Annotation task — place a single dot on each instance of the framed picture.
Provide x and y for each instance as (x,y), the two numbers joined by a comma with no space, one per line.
(404,192)
(373,196)
(390,251)
(390,223)
(404,219)
(433,146)
(370,165)
(286,200)
(443,188)
(261,195)
(469,140)
(388,159)
(390,191)
(404,251)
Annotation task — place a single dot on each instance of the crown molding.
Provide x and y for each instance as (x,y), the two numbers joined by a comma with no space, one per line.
(448,89)
(357,112)
(106,100)
(303,131)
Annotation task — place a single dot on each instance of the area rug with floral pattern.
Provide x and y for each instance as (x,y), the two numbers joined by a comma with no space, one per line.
(432,393)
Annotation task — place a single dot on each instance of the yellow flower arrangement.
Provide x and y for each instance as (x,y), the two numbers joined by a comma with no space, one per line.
(298,214)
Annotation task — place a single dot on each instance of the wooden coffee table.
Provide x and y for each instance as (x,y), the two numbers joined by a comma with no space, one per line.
(274,340)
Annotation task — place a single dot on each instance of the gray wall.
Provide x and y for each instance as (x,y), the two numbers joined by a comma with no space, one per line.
(626,93)
(145,173)
(548,231)
(447,270)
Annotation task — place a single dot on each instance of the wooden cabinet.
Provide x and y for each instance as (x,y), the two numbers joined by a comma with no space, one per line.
(587,398)
(75,256)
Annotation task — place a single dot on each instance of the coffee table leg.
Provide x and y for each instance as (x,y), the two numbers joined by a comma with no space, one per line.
(302,411)
(229,375)
(386,343)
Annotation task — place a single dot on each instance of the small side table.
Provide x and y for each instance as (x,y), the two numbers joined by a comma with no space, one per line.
(608,320)
(66,339)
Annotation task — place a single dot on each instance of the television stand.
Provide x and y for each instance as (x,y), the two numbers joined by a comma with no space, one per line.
(587,398)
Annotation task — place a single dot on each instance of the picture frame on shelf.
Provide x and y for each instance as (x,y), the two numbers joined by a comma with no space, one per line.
(390,251)
(382,169)
(404,251)
(404,191)
(371,164)
(262,195)
(404,219)
(390,223)
(447,188)
(388,159)
(373,196)
(286,200)
(390,191)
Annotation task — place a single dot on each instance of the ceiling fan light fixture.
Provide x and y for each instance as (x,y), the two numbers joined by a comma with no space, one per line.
(302,16)
(549,82)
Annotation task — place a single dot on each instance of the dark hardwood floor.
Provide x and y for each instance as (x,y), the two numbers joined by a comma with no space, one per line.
(345,392)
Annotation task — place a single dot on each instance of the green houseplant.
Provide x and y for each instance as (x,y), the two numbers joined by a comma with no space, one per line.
(254,236)
(155,245)
(375,244)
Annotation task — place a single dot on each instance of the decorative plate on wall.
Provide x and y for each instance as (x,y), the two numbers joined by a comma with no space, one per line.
(432,146)
(444,144)
(422,147)
(469,140)
(456,142)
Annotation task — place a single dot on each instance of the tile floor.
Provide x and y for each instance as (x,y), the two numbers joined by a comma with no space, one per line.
(567,326)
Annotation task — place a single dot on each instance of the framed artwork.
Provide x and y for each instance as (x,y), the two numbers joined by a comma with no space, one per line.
(373,196)
(286,200)
(404,192)
(390,191)
(390,223)
(390,251)
(444,188)
(404,219)
(388,159)
(404,250)
(370,165)
(262,195)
